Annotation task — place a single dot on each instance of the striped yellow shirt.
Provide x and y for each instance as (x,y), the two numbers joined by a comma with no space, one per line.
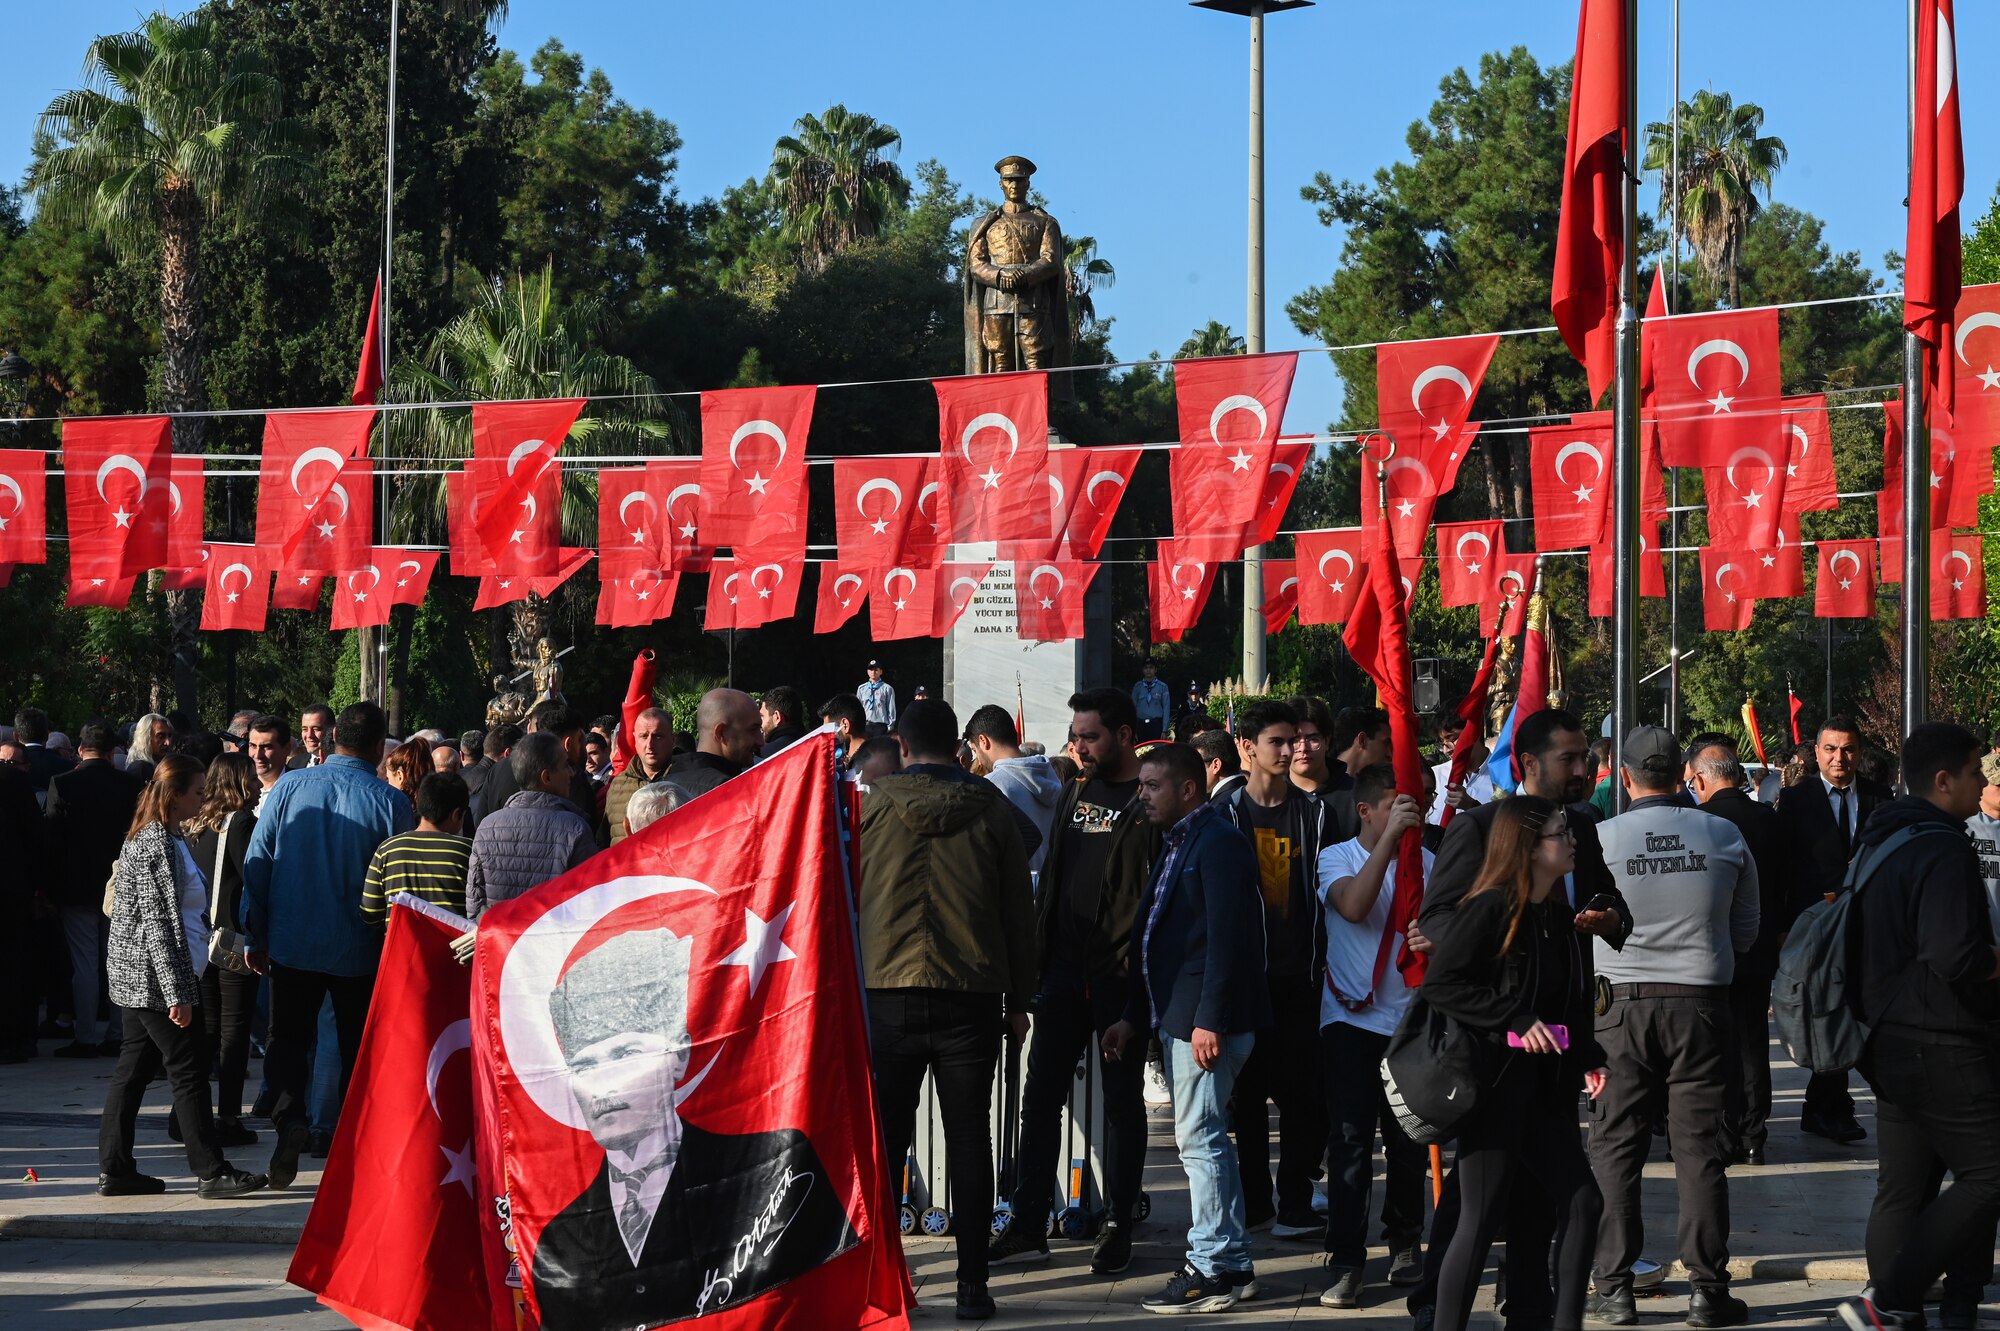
(430,865)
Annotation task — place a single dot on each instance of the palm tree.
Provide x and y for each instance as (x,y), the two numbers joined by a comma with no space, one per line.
(835,185)
(519,340)
(165,138)
(1725,159)
(1085,272)
(1211,339)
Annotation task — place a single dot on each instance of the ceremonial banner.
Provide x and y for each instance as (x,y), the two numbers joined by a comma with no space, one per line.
(1590,225)
(635,599)
(1809,480)
(1716,391)
(368,373)
(393,1237)
(994,433)
(1330,565)
(1846,582)
(1466,551)
(875,510)
(24,497)
(1048,600)
(115,475)
(1725,596)
(238,590)
(1958,576)
(303,457)
(1231,409)
(518,442)
(1179,585)
(1573,506)
(686,1109)
(1423,396)
(753,464)
(842,589)
(1281,593)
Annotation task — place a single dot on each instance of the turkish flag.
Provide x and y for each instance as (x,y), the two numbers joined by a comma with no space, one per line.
(517,444)
(393,1237)
(1778,570)
(681,478)
(1745,500)
(363,597)
(304,452)
(1284,465)
(1048,600)
(187,505)
(1377,636)
(340,528)
(1231,409)
(1725,589)
(1281,593)
(1959,475)
(707,967)
(994,434)
(1059,500)
(770,587)
(190,579)
(1975,411)
(1094,479)
(1716,393)
(842,589)
(1423,396)
(368,374)
(1933,249)
(632,528)
(1590,228)
(1604,573)
(497,589)
(753,464)
(507,526)
(297,591)
(634,599)
(902,602)
(24,497)
(1513,582)
(1466,551)
(1411,493)
(1958,576)
(411,573)
(99,587)
(956,585)
(875,509)
(1846,582)
(1570,469)
(1809,479)
(1330,565)
(1179,585)
(238,591)
(115,476)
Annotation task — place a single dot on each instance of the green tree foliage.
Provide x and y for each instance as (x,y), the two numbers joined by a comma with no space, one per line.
(1725,160)
(836,183)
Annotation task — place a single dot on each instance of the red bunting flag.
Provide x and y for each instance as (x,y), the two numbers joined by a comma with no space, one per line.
(1466,551)
(1725,589)
(338,529)
(1809,480)
(746,593)
(1570,470)
(1746,499)
(1716,390)
(753,464)
(902,603)
(238,591)
(520,481)
(956,585)
(1330,565)
(115,476)
(297,591)
(1411,492)
(875,510)
(304,453)
(24,497)
(842,589)
(681,478)
(1959,474)
(1778,570)
(1423,396)
(504,525)
(99,587)
(1231,409)
(1180,585)
(1603,573)
(1284,465)
(393,1238)
(410,572)
(368,373)
(993,431)
(1048,600)
(633,530)
(363,597)
(1958,576)
(634,599)
(497,589)
(1281,593)
(1095,481)
(1846,581)
(1933,251)
(1513,583)
(1590,228)
(1975,411)
(187,505)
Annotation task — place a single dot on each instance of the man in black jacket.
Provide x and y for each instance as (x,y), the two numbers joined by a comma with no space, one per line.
(89,811)
(566,723)
(728,737)
(1928,976)
(1717,779)
(1824,817)
(781,714)
(21,830)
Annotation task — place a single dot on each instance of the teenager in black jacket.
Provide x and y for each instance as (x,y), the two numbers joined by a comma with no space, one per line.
(1512,964)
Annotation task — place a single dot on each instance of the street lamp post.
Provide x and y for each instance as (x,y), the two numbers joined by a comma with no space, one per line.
(1254,668)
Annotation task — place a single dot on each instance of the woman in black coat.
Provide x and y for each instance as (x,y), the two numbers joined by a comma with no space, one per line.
(1510,970)
(221,831)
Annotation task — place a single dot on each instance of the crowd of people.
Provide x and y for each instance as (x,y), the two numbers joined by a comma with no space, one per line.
(1204,912)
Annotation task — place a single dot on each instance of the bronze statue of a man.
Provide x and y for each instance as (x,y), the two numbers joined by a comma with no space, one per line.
(1016,283)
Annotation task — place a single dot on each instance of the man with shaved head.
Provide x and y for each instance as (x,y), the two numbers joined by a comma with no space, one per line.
(728,734)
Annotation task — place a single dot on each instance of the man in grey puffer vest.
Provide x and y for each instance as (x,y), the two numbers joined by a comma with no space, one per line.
(537,835)
(1666,1030)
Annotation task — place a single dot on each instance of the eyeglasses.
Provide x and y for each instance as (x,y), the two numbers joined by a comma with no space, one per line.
(1564,832)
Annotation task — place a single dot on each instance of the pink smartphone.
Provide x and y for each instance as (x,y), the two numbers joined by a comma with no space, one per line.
(1560,1032)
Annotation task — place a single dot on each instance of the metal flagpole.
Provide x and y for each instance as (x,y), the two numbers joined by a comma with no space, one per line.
(1254,665)
(1625,531)
(388,261)
(1916,489)
(1674,597)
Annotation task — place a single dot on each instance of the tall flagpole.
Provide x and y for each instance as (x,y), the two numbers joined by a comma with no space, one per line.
(1255,667)
(378,640)
(1674,521)
(1916,488)
(1625,402)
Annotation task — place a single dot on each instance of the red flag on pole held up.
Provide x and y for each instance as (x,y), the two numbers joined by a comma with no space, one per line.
(1424,393)
(1756,733)
(1332,566)
(303,458)
(1725,596)
(1570,471)
(902,602)
(115,474)
(1846,583)
(1472,711)
(1958,576)
(1796,706)
(518,443)
(1466,551)
(1652,570)
(723,932)
(1716,392)
(24,497)
(393,1237)
(1179,585)
(753,464)
(1934,251)
(993,432)
(842,589)
(1231,410)
(875,509)
(1590,229)
(368,374)
(237,594)
(1377,636)
(635,598)
(638,697)
(297,591)
(956,585)
(1281,593)
(1809,480)
(1048,599)
(1412,494)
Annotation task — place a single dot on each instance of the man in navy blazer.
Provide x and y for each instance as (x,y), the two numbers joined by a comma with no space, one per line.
(1198,943)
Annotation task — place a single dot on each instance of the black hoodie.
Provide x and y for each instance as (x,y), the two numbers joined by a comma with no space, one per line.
(1927,957)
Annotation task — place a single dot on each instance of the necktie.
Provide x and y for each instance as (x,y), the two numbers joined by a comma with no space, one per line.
(631,1215)
(1846,833)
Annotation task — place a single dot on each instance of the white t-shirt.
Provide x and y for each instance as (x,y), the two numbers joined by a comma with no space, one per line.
(194,904)
(1477,784)
(1351,947)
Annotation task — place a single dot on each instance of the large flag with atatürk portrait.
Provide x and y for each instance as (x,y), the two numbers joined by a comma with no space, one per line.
(686,1117)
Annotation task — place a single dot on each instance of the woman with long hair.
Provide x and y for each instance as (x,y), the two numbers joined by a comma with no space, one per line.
(1510,970)
(157,952)
(407,765)
(218,835)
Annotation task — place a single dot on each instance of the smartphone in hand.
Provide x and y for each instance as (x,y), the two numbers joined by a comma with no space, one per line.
(1560,1032)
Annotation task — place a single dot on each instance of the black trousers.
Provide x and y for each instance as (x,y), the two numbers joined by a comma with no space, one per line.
(1933,1102)
(20,1002)
(1677,1054)
(228,999)
(1283,1069)
(1521,1138)
(1827,1095)
(1071,1016)
(955,1037)
(296,996)
(1528,1229)
(1750,1092)
(1350,1059)
(152,1044)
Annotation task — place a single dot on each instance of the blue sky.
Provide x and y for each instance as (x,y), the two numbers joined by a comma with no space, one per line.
(1134,110)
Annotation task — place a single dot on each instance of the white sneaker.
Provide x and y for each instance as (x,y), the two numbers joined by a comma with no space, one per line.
(1156,1092)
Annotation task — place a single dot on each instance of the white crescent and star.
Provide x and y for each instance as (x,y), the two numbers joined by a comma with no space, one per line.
(121,462)
(317,453)
(374,580)
(763,592)
(688,529)
(1090,488)
(1439,374)
(1346,559)
(991,420)
(222,579)
(460,1164)
(1052,571)
(1833,564)
(523,449)
(1485,548)
(1718,346)
(1239,402)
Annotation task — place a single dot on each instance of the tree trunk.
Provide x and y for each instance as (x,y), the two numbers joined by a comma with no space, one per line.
(403,617)
(182,337)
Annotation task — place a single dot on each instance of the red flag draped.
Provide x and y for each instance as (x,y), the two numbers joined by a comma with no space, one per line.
(1423,396)
(1725,597)
(993,431)
(902,602)
(1231,409)
(1283,466)
(1933,250)
(1796,707)
(115,475)
(1975,410)
(363,597)
(1716,391)
(101,588)
(633,531)
(237,592)
(1048,599)
(635,598)
(1179,587)
(1472,711)
(753,464)
(1466,551)
(1958,576)
(956,585)
(842,589)
(1513,582)
(297,591)
(1331,566)
(875,509)
(411,574)
(303,457)
(368,374)
(1846,582)
(1281,593)
(1570,468)
(1603,571)
(24,497)
(1590,230)
(505,588)
(1777,570)
(518,443)
(1095,481)
(1809,479)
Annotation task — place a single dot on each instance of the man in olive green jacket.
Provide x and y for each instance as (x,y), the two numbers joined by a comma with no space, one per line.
(947,954)
(652,750)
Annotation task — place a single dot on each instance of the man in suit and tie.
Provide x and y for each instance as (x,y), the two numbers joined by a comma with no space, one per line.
(678,1221)
(1823,816)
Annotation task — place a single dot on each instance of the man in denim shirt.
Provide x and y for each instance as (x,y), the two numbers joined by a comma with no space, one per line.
(302,884)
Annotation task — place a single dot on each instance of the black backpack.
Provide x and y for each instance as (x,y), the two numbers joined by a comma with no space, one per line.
(1815,997)
(1430,1073)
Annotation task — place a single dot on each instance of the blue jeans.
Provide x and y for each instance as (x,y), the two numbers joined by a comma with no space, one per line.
(1218,1237)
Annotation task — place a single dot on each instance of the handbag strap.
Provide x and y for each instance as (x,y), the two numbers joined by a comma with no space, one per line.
(215,869)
